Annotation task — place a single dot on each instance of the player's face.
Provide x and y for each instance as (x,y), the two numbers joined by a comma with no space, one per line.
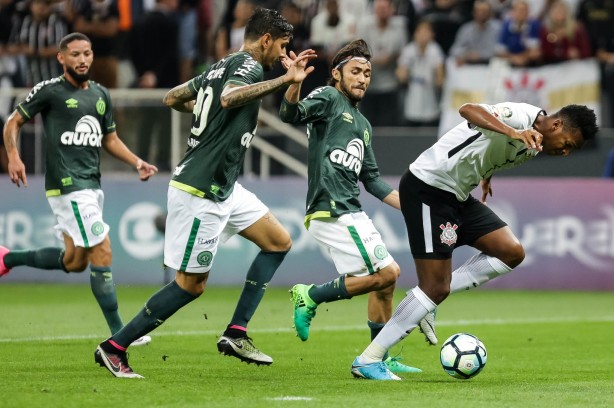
(77,60)
(275,53)
(353,78)
(559,141)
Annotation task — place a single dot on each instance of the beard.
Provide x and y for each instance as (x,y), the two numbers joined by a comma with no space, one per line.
(80,78)
(348,92)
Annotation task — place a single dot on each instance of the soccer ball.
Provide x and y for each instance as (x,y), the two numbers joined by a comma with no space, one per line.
(463,356)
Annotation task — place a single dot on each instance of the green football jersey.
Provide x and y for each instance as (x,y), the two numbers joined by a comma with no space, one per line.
(75,121)
(219,137)
(340,153)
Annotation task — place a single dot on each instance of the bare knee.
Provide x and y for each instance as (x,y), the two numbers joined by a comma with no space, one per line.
(191,282)
(387,277)
(514,256)
(76,264)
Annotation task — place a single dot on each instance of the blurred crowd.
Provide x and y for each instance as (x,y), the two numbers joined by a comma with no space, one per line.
(161,43)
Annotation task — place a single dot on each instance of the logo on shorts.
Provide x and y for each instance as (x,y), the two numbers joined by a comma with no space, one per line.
(97,228)
(204,258)
(448,234)
(380,252)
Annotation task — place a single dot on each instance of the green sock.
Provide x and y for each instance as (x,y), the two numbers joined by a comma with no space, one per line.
(258,277)
(375,329)
(162,305)
(329,291)
(43,258)
(103,288)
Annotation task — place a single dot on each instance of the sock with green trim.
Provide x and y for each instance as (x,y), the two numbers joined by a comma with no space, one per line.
(103,288)
(162,305)
(329,291)
(42,258)
(258,277)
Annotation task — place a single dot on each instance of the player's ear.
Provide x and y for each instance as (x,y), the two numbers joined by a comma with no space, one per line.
(557,124)
(266,40)
(336,75)
(60,58)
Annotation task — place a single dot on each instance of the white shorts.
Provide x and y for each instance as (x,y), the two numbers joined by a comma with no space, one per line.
(79,215)
(353,243)
(194,226)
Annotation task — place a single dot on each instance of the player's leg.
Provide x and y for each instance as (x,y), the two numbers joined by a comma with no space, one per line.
(424,210)
(500,250)
(252,220)
(360,257)
(189,249)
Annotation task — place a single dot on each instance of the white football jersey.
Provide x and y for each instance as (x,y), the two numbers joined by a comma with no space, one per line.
(467,154)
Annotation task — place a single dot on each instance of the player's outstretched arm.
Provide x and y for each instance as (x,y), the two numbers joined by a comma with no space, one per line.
(234,96)
(114,145)
(180,98)
(17,170)
(478,116)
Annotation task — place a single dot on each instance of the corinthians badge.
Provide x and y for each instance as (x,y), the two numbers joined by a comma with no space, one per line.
(448,234)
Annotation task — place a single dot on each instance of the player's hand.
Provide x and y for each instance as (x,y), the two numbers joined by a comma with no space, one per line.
(486,189)
(17,172)
(296,66)
(531,138)
(145,170)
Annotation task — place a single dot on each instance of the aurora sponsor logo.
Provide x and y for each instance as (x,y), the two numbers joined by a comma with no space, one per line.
(87,133)
(351,157)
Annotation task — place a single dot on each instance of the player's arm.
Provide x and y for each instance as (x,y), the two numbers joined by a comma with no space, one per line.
(393,200)
(16,168)
(114,145)
(180,98)
(480,117)
(235,95)
(486,189)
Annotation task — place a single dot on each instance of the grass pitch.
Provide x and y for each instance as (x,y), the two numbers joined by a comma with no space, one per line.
(545,349)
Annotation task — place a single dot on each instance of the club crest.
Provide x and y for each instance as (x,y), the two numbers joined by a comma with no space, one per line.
(448,234)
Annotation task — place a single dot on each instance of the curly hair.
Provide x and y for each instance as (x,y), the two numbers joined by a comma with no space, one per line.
(579,117)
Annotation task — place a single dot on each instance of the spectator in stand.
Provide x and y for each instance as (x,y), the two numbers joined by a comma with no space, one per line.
(230,34)
(519,38)
(562,37)
(476,40)
(421,67)
(330,30)
(155,55)
(188,36)
(608,169)
(598,19)
(37,37)
(99,20)
(445,18)
(407,9)
(385,33)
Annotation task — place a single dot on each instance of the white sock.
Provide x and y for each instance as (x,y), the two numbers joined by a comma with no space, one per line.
(404,319)
(478,270)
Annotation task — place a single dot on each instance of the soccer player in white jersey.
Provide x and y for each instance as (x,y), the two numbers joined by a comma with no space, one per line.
(440,213)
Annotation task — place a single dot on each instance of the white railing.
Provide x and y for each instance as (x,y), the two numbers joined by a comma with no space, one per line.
(138,97)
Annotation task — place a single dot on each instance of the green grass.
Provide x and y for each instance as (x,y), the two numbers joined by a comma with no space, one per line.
(545,349)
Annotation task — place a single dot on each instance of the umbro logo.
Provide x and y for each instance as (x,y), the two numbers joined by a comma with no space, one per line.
(72,103)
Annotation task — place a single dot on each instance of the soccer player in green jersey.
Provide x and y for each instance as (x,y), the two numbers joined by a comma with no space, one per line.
(340,156)
(206,204)
(78,120)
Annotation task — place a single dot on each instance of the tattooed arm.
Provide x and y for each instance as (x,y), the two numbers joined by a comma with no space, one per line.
(296,72)
(180,98)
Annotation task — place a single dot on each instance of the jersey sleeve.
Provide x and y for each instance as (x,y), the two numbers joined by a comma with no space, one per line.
(108,121)
(371,178)
(315,106)
(37,100)
(519,116)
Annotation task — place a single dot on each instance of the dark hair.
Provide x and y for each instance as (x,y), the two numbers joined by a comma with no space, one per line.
(72,37)
(356,48)
(579,117)
(265,21)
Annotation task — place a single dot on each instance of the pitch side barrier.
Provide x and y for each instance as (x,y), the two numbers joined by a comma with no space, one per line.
(565,224)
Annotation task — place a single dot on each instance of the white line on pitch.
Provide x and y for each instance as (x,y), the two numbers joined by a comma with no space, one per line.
(462,322)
